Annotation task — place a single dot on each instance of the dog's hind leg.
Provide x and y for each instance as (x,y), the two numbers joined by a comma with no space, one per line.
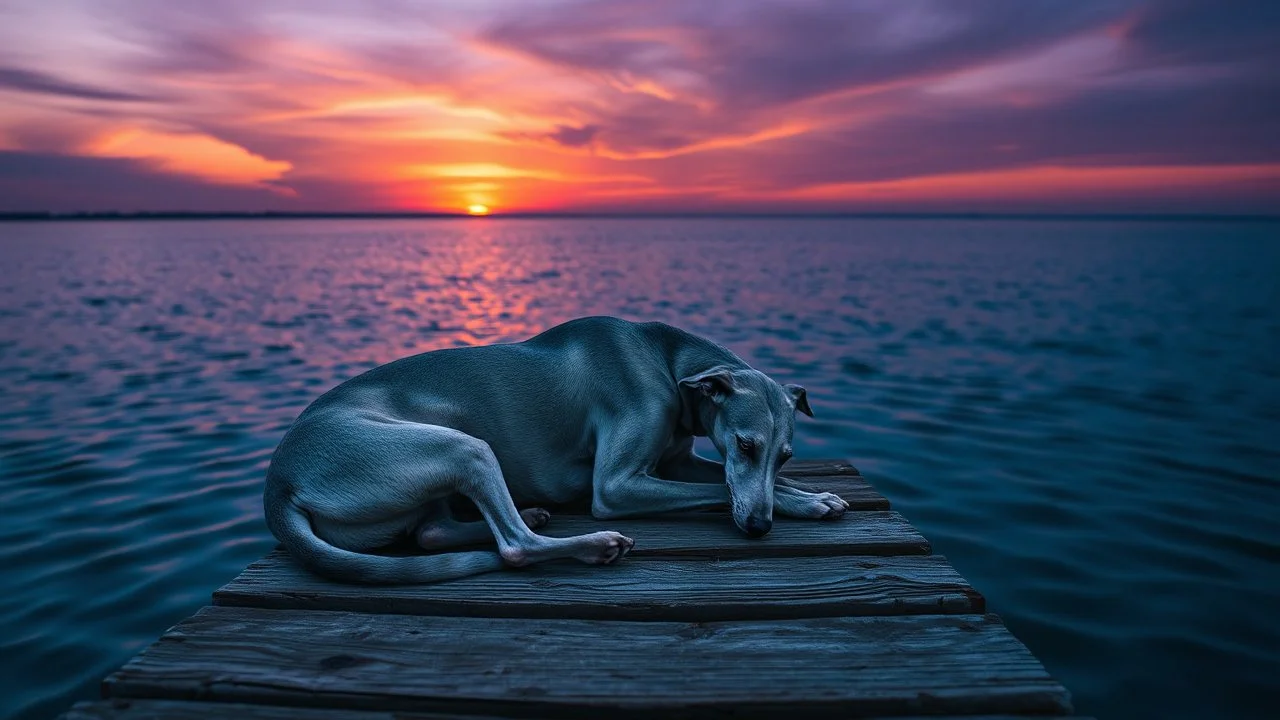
(478,476)
(441,531)
(332,512)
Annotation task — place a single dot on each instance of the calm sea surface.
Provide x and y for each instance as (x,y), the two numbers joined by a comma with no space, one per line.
(1083,416)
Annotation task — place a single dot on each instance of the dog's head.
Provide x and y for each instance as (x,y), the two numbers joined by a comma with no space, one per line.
(750,419)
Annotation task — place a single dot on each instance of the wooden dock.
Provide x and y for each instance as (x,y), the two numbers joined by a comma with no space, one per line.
(848,618)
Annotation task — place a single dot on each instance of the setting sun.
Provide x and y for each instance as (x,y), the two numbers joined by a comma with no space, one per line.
(478,209)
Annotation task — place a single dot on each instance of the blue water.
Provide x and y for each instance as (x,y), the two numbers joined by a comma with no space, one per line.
(1084,416)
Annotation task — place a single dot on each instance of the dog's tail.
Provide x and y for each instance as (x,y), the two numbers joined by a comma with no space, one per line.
(292,526)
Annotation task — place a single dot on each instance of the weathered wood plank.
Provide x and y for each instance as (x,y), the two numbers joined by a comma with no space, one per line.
(929,664)
(714,535)
(819,466)
(637,589)
(122,709)
(178,710)
(853,488)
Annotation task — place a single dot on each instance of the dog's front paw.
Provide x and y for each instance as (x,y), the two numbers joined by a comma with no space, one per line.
(604,548)
(817,506)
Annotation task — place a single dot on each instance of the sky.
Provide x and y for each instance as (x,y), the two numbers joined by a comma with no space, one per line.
(1162,106)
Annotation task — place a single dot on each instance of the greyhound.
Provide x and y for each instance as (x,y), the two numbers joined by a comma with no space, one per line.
(596,407)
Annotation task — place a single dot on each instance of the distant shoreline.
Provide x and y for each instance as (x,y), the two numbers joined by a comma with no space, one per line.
(118,216)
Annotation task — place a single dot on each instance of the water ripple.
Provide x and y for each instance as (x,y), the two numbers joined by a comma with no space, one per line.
(1081,416)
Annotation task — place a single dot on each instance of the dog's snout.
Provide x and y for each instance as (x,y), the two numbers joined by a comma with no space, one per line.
(758,527)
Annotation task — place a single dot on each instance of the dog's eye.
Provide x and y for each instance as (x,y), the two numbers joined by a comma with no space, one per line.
(746,445)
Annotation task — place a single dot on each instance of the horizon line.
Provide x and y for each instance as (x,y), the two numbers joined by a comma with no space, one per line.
(51,216)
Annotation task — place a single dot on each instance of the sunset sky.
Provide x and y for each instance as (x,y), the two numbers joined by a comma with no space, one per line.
(643,105)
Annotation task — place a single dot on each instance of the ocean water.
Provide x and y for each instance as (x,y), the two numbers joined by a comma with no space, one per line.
(1083,416)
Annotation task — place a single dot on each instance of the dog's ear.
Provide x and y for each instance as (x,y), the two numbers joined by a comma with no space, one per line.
(716,383)
(801,397)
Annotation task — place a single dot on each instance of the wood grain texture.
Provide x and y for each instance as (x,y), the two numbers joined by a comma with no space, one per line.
(930,664)
(820,466)
(853,488)
(123,709)
(714,535)
(178,710)
(637,589)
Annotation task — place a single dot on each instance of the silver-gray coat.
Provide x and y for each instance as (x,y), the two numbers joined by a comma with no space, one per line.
(596,407)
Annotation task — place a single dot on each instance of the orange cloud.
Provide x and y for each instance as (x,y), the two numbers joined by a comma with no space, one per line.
(193,154)
(1041,182)
(490,171)
(725,142)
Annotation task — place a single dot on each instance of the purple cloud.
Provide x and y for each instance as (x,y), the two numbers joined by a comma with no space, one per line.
(64,183)
(34,81)
(571,136)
